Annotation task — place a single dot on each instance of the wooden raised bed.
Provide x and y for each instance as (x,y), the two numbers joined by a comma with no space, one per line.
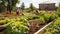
(35,25)
(40,30)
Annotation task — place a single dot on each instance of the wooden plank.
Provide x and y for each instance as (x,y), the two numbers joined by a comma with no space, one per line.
(39,31)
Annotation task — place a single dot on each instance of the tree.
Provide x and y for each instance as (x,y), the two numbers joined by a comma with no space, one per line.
(31,7)
(23,6)
(11,4)
(58,10)
(2,5)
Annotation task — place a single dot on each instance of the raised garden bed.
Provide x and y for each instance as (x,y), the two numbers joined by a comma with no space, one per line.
(40,30)
(35,25)
(51,24)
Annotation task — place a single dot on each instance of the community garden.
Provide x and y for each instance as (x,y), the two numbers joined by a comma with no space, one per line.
(29,23)
(14,20)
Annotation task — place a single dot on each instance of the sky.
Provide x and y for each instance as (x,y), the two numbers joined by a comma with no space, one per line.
(36,2)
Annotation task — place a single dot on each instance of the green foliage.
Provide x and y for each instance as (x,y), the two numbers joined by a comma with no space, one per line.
(42,13)
(46,17)
(31,7)
(58,10)
(53,28)
(16,28)
(2,5)
(42,20)
(49,17)
(18,25)
(33,17)
(11,4)
(53,16)
(57,22)
(1,8)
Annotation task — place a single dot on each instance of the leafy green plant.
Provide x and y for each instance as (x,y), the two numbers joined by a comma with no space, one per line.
(53,16)
(53,28)
(42,19)
(33,17)
(16,28)
(57,22)
(46,17)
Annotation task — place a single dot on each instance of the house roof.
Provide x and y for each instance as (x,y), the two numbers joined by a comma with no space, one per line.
(47,2)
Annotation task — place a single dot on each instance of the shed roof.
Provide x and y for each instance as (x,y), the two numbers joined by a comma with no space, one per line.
(47,2)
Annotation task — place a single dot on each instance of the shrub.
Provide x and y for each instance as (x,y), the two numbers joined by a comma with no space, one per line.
(53,16)
(57,22)
(33,17)
(16,28)
(46,17)
(42,19)
(42,13)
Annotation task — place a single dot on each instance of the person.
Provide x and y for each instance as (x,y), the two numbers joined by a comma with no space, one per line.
(17,12)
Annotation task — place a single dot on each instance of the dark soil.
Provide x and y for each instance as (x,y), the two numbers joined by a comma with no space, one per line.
(35,25)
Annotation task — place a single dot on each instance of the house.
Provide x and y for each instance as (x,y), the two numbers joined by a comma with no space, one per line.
(47,6)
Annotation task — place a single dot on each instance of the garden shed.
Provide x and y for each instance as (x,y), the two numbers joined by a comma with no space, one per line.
(47,6)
